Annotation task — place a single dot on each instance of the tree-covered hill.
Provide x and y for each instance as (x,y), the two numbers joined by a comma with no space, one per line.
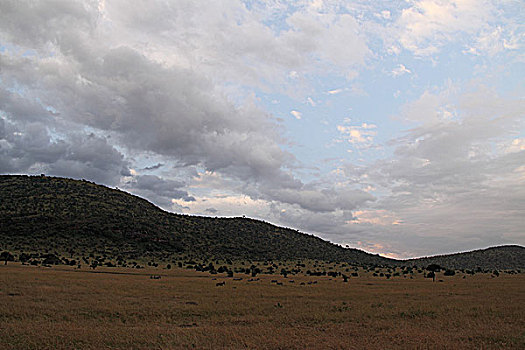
(41,213)
(503,257)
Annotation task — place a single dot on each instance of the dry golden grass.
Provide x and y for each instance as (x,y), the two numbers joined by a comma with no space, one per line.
(64,308)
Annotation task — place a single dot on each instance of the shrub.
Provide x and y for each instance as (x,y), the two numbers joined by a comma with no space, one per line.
(433,268)
(24,257)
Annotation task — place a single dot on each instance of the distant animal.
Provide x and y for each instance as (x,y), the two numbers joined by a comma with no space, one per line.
(238,279)
(220,284)
(155,277)
(279,283)
(273,281)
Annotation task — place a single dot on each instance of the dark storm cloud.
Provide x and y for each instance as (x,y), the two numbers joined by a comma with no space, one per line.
(35,24)
(167,110)
(321,200)
(154,167)
(73,78)
(161,187)
(158,190)
(33,150)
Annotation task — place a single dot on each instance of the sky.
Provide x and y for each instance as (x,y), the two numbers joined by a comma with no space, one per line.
(396,127)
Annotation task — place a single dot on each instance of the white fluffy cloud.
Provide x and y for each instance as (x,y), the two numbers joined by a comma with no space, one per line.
(427,25)
(297,115)
(360,136)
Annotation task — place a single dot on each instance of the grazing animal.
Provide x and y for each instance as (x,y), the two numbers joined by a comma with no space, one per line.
(220,284)
(279,283)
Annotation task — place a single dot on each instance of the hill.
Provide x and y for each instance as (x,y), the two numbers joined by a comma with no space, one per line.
(72,217)
(503,257)
(41,214)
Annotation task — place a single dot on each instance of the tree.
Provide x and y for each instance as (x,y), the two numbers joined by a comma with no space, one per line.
(6,256)
(433,268)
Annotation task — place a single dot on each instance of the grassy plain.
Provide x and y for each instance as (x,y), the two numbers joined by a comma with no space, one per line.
(66,308)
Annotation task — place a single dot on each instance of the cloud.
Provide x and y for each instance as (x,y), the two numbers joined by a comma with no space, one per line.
(375,217)
(254,44)
(32,149)
(146,106)
(228,205)
(327,31)
(335,91)
(448,180)
(298,115)
(328,225)
(154,167)
(428,25)
(517,145)
(94,89)
(158,190)
(97,76)
(322,200)
(432,107)
(311,102)
(495,40)
(361,136)
(400,70)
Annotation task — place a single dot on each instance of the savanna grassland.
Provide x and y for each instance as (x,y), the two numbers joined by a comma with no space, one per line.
(63,307)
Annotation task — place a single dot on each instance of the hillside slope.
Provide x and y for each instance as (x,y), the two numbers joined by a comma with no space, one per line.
(41,213)
(49,214)
(503,257)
